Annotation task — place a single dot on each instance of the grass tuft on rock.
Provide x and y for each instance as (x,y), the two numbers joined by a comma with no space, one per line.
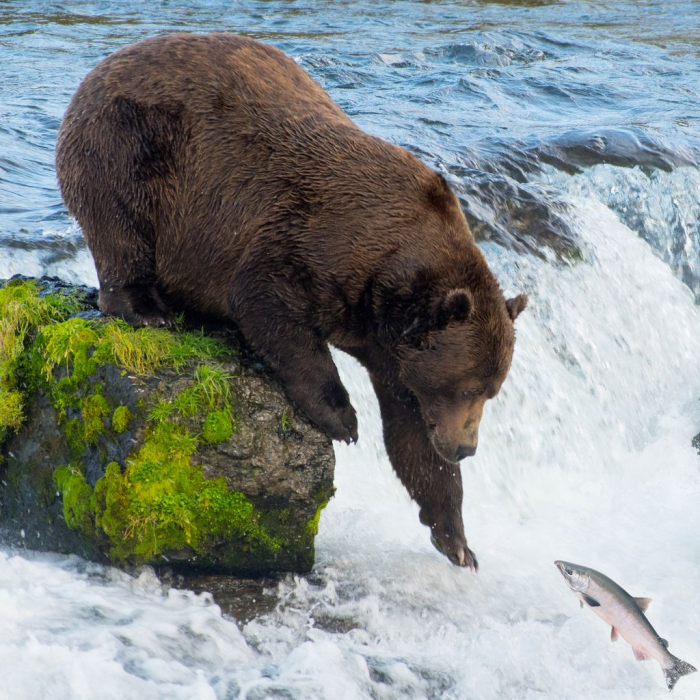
(209,393)
(81,346)
(22,310)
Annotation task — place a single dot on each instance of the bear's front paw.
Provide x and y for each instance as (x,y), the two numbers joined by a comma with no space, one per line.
(455,549)
(341,424)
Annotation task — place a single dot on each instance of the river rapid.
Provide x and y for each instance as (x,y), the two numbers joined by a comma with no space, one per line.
(571,132)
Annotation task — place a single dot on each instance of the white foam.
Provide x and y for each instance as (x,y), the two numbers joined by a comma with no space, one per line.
(584,456)
(70,630)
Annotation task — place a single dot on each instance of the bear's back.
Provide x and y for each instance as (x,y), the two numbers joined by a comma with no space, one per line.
(216,143)
(205,74)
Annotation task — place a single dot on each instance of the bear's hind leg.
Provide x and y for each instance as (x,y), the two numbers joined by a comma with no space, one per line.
(435,484)
(111,171)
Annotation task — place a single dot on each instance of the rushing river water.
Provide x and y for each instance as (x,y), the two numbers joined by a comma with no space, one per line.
(571,131)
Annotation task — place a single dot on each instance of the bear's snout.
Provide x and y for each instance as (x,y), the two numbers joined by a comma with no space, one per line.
(454,433)
(453,452)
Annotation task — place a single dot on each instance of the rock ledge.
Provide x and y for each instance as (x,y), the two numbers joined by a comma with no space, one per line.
(149,446)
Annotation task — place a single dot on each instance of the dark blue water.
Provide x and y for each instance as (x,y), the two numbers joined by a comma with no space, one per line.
(485,91)
(571,133)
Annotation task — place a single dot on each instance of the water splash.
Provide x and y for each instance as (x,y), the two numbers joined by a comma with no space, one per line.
(662,207)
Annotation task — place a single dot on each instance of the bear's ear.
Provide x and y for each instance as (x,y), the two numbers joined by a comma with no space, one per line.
(456,305)
(516,305)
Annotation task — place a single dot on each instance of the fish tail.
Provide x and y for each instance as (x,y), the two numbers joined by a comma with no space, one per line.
(680,668)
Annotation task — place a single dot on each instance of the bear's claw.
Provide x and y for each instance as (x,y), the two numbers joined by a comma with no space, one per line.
(458,554)
(348,420)
(340,425)
(139,306)
(154,320)
(467,558)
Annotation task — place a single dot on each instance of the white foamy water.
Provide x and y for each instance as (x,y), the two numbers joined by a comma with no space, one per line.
(584,456)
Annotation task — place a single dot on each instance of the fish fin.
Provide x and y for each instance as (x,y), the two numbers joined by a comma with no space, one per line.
(678,670)
(664,642)
(642,603)
(640,654)
(591,601)
(614,634)
(580,602)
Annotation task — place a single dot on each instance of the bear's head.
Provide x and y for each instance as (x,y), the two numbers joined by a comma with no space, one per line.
(454,356)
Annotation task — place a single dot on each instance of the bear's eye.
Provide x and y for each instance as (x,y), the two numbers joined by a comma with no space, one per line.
(421,342)
(472,393)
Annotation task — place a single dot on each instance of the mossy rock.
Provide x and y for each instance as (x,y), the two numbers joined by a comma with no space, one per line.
(149,446)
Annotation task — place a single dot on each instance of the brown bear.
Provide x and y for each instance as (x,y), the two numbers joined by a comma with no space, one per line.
(209,173)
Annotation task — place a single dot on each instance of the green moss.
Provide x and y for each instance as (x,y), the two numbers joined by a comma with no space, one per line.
(84,431)
(321,496)
(78,499)
(217,427)
(95,410)
(65,394)
(312,525)
(121,418)
(11,409)
(75,436)
(161,503)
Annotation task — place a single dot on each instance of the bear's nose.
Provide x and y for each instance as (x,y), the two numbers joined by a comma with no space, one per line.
(464,451)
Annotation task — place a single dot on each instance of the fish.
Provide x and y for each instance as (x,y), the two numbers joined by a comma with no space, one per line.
(625,614)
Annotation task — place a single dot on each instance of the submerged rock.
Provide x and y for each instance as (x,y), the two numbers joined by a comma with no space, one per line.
(506,205)
(501,207)
(520,217)
(624,147)
(146,446)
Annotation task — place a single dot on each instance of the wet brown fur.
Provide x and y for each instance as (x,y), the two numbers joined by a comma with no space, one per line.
(210,173)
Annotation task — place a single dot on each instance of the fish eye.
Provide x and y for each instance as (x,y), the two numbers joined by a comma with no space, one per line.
(569,571)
